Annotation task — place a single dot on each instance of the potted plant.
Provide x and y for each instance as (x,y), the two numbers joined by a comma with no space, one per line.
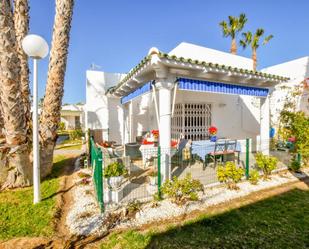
(153,177)
(155,135)
(114,173)
(213,132)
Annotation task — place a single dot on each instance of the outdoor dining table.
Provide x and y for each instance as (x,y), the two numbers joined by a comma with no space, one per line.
(204,147)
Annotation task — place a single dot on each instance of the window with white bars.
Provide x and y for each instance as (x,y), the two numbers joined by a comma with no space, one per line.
(192,120)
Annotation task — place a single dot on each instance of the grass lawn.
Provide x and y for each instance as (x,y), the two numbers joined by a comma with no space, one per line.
(278,222)
(70,145)
(19,217)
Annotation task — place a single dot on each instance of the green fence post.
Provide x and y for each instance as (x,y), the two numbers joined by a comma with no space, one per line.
(247,157)
(299,158)
(100,181)
(159,171)
(89,147)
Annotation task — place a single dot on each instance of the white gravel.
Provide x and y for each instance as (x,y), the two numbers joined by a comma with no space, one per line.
(211,197)
(86,203)
(84,217)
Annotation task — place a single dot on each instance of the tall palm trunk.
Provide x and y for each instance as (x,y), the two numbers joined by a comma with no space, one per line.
(16,170)
(234,46)
(254,58)
(21,23)
(50,116)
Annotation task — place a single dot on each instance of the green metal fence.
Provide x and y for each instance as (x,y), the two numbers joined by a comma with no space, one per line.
(96,162)
(139,182)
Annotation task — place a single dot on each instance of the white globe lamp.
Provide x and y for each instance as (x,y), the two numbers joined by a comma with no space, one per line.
(36,48)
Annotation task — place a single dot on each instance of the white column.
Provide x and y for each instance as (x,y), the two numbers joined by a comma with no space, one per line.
(165,128)
(131,122)
(264,126)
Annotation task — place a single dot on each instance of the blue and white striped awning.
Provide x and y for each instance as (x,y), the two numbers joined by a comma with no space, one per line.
(138,92)
(216,87)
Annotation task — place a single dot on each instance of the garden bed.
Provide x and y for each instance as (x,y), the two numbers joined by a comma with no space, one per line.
(85,217)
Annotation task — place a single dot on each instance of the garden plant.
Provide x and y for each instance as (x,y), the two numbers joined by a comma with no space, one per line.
(266,163)
(230,174)
(182,190)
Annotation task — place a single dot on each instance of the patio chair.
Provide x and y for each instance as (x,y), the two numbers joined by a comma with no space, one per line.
(132,150)
(218,153)
(230,149)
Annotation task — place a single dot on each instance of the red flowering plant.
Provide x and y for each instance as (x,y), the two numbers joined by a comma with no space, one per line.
(155,133)
(212,130)
(292,139)
(174,143)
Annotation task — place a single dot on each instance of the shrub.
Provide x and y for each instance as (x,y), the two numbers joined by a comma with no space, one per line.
(254,177)
(296,124)
(294,165)
(61,126)
(133,207)
(182,190)
(266,163)
(230,174)
(156,199)
(115,169)
(76,134)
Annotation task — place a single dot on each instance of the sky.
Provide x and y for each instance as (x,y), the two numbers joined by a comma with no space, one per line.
(116,34)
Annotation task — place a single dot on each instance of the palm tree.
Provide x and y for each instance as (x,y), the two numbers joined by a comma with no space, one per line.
(254,41)
(21,23)
(232,28)
(50,117)
(16,170)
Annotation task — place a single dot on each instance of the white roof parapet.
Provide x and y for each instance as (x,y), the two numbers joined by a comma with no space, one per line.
(155,57)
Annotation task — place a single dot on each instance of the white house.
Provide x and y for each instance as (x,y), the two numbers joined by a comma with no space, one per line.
(73,116)
(298,72)
(183,93)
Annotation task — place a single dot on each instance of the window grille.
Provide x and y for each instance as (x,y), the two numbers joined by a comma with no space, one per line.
(192,120)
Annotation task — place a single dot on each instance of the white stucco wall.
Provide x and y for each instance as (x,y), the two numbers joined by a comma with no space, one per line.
(236,117)
(195,52)
(297,70)
(69,122)
(103,112)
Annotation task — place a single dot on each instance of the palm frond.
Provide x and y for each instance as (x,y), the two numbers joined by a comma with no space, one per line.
(247,36)
(267,39)
(225,29)
(259,32)
(242,20)
(243,44)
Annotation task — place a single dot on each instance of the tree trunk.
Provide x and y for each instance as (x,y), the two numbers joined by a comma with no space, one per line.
(17,165)
(234,46)
(21,23)
(50,116)
(254,58)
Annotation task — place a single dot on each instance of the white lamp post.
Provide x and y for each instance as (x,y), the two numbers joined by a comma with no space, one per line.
(36,48)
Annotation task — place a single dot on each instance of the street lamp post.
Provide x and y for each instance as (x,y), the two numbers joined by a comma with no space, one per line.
(36,48)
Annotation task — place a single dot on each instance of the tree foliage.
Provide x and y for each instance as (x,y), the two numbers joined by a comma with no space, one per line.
(232,27)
